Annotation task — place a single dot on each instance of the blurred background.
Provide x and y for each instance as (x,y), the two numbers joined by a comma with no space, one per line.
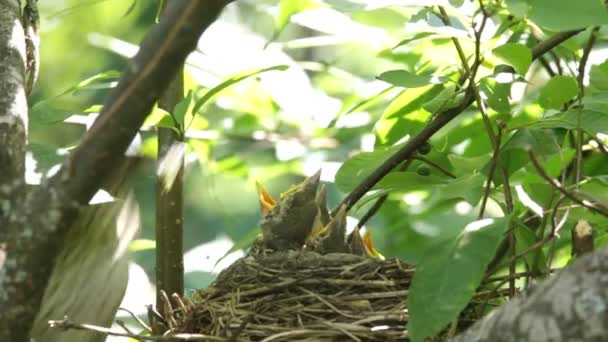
(275,127)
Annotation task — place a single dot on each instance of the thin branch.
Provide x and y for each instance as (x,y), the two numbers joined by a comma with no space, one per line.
(380,201)
(582,65)
(48,212)
(491,172)
(169,200)
(548,44)
(596,207)
(439,121)
(445,18)
(435,165)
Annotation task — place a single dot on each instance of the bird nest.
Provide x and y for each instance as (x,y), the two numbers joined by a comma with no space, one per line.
(299,295)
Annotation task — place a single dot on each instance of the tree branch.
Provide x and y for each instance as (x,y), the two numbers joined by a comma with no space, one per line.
(13,103)
(169,202)
(39,224)
(440,120)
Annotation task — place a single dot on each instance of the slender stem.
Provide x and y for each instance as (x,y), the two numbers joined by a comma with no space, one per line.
(596,207)
(378,204)
(439,121)
(435,165)
(445,18)
(169,204)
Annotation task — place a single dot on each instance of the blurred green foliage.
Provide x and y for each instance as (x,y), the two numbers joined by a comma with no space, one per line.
(361,77)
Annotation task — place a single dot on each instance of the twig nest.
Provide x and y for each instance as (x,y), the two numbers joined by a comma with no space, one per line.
(302,296)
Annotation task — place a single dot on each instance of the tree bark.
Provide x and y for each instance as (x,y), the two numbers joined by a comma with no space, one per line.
(569,306)
(36,224)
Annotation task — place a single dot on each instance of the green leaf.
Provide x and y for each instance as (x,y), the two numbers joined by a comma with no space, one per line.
(516,55)
(564,15)
(518,8)
(524,239)
(408,181)
(232,80)
(592,121)
(46,156)
(49,111)
(159,117)
(468,187)
(181,109)
(360,166)
(448,275)
(104,76)
(417,36)
(446,99)
(497,94)
(558,91)
(370,196)
(598,76)
(405,115)
(141,245)
(456,3)
(468,164)
(406,79)
(287,8)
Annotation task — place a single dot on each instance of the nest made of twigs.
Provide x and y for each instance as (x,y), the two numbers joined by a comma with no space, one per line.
(302,296)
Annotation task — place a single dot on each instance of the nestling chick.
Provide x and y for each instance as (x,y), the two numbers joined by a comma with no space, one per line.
(331,239)
(356,244)
(290,221)
(363,245)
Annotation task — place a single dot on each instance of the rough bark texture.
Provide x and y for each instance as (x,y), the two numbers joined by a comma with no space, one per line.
(570,306)
(13,103)
(38,224)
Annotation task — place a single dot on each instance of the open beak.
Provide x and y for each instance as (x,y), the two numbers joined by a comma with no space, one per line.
(370,250)
(266,201)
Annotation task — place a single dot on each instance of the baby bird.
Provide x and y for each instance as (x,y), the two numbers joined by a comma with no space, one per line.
(363,245)
(356,244)
(331,239)
(290,220)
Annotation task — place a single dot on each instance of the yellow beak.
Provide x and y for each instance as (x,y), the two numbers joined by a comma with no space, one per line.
(369,246)
(266,201)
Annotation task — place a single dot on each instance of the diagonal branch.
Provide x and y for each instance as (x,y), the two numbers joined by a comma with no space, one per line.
(39,224)
(440,120)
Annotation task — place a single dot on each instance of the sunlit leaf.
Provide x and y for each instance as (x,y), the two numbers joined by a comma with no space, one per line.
(403,78)
(516,55)
(468,187)
(557,91)
(448,274)
(417,36)
(409,181)
(181,109)
(141,245)
(497,94)
(101,77)
(446,99)
(591,121)
(564,15)
(233,80)
(359,167)
(287,8)
(598,77)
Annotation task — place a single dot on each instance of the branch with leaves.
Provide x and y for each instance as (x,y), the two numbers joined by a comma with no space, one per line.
(47,211)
